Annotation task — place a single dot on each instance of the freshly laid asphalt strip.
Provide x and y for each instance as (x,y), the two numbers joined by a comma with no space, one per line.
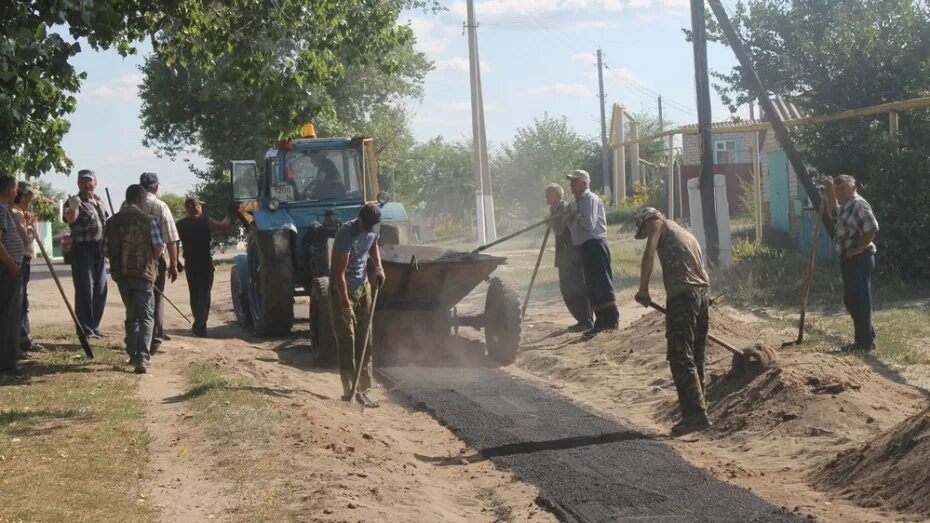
(587,468)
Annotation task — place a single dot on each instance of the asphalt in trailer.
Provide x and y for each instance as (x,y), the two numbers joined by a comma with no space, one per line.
(587,468)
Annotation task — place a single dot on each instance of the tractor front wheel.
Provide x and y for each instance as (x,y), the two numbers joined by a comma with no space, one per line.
(271,290)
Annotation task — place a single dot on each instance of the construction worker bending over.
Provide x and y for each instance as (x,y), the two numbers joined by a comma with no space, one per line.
(356,241)
(686,323)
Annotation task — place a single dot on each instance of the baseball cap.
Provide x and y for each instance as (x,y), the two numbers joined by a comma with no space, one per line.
(86,173)
(370,216)
(24,188)
(579,174)
(642,216)
(148,179)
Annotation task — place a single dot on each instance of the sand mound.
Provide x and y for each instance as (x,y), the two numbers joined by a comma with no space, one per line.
(889,471)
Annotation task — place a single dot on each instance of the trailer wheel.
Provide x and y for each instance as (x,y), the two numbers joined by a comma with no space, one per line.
(503,324)
(323,348)
(271,290)
(240,297)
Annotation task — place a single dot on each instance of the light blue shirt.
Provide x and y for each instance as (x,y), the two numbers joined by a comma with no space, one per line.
(356,243)
(591,221)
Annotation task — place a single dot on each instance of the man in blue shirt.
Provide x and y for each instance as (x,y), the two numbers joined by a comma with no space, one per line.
(587,224)
(356,242)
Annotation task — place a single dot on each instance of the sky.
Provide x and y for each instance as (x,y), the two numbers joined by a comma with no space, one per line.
(538,57)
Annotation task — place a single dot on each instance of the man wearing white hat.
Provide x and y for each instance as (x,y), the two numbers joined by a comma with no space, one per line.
(587,223)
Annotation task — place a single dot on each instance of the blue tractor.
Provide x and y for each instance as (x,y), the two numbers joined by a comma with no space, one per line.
(292,209)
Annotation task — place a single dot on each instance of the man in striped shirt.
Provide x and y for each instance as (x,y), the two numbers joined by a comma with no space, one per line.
(11,280)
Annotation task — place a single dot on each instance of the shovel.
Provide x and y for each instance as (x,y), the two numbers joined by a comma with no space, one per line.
(82,336)
(361,360)
(751,360)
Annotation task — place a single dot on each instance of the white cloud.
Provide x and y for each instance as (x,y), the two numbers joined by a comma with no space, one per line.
(128,157)
(585,58)
(560,89)
(122,89)
(458,64)
(463,106)
(432,36)
(624,75)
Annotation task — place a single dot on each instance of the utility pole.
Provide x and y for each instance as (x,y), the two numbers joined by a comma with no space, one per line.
(490,222)
(661,121)
(605,163)
(702,84)
(478,143)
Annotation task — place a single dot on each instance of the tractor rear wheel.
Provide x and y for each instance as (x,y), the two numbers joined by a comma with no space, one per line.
(240,297)
(323,348)
(503,324)
(271,292)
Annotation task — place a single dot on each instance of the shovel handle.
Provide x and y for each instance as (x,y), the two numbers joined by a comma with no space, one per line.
(710,336)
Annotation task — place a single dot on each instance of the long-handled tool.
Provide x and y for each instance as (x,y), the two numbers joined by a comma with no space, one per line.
(510,236)
(173,305)
(360,363)
(753,359)
(806,290)
(542,249)
(80,329)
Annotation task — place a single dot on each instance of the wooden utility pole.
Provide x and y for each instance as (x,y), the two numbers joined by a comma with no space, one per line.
(748,72)
(706,142)
(605,162)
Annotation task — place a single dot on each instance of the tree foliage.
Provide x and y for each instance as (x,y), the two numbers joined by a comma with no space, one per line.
(437,181)
(831,55)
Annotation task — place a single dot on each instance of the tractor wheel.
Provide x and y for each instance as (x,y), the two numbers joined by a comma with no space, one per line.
(324,350)
(240,297)
(503,324)
(271,290)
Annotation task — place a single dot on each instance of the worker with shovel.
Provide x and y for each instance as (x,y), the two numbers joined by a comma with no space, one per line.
(356,241)
(687,320)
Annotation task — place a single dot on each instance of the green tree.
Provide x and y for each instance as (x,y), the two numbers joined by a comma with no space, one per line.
(175,203)
(829,55)
(437,181)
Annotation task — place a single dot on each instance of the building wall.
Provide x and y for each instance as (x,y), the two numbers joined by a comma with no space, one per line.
(770,144)
(691,154)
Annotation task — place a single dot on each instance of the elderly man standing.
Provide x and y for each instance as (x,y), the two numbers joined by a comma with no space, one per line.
(568,262)
(356,241)
(133,245)
(160,211)
(86,217)
(11,280)
(587,223)
(25,220)
(856,228)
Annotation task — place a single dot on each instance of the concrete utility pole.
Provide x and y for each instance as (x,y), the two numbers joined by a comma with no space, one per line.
(661,121)
(706,142)
(483,196)
(605,163)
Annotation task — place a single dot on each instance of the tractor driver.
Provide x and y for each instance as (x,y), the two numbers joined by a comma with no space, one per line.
(356,241)
(328,185)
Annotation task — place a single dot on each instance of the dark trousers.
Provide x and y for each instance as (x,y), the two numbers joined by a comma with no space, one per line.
(137,296)
(574,294)
(686,326)
(857,295)
(158,330)
(25,329)
(199,285)
(89,273)
(599,283)
(11,294)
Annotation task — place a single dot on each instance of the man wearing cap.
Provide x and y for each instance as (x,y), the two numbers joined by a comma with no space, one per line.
(568,262)
(194,231)
(356,242)
(133,245)
(86,216)
(11,285)
(587,223)
(686,322)
(25,220)
(160,211)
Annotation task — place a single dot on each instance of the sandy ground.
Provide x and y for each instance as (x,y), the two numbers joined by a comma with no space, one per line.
(772,434)
(346,465)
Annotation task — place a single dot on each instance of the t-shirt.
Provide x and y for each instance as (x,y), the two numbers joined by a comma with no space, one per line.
(682,260)
(12,240)
(351,240)
(194,232)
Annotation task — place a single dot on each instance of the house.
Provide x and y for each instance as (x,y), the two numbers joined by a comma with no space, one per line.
(732,149)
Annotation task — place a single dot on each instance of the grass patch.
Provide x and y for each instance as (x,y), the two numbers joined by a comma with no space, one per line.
(73,446)
(242,420)
(903,333)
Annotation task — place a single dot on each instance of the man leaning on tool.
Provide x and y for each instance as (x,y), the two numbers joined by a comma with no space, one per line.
(86,216)
(686,322)
(568,262)
(587,223)
(356,241)
(160,211)
(856,228)
(133,246)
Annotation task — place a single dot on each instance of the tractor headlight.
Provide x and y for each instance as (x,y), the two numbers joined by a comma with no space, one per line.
(274,204)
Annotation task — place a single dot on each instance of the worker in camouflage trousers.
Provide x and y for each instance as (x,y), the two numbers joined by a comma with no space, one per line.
(355,244)
(686,324)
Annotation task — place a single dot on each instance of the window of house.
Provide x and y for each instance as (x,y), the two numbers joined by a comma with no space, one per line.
(725,151)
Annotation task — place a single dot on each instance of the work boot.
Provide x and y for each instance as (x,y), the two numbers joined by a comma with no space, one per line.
(687,426)
(579,327)
(141,368)
(366,402)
